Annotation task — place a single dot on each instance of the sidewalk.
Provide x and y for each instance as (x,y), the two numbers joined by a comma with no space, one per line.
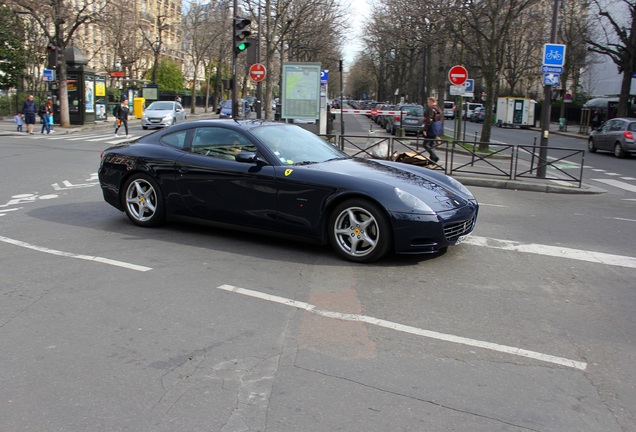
(8,127)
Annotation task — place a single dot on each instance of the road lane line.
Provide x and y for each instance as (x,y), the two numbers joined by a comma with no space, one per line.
(72,255)
(618,184)
(408,329)
(556,251)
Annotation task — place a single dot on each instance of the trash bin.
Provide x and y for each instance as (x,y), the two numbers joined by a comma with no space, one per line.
(138,106)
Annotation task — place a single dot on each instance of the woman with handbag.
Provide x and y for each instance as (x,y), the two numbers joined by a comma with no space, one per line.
(433,127)
(121,116)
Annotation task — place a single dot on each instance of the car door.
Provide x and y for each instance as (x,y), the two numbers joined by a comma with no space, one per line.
(179,112)
(215,187)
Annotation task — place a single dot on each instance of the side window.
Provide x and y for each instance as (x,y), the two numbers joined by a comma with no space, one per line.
(177,140)
(617,125)
(220,143)
(608,126)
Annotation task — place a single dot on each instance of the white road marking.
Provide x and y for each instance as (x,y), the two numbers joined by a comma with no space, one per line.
(618,184)
(628,178)
(621,219)
(491,205)
(598,170)
(556,251)
(612,174)
(72,255)
(408,329)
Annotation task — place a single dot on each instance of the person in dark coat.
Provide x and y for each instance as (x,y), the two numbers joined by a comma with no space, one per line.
(29,108)
(121,116)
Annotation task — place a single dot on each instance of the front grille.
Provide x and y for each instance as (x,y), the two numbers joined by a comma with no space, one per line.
(454,230)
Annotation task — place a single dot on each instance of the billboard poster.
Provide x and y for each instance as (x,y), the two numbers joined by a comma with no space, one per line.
(301,91)
(89,95)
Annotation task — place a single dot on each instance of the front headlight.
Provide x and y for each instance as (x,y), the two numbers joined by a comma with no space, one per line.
(168,117)
(413,202)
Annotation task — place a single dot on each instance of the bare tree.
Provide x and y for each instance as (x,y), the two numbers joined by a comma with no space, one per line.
(58,21)
(616,38)
(483,27)
(201,35)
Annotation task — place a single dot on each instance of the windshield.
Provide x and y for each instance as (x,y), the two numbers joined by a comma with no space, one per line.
(293,145)
(226,104)
(160,106)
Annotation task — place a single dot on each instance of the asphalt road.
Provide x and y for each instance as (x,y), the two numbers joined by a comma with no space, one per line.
(105,326)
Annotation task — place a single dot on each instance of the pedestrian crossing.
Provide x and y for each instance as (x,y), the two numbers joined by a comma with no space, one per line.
(103,136)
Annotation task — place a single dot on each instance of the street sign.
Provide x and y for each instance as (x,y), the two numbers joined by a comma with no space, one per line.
(469,85)
(457,75)
(552,69)
(553,54)
(551,79)
(324,76)
(257,72)
(457,90)
(48,75)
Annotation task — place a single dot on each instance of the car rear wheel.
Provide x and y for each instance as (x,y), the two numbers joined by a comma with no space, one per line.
(618,150)
(143,202)
(359,231)
(590,146)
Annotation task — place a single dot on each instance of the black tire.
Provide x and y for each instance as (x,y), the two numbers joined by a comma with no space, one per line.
(619,152)
(590,146)
(144,127)
(143,201)
(359,231)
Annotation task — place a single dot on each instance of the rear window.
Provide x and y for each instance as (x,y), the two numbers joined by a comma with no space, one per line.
(415,111)
(449,105)
(631,127)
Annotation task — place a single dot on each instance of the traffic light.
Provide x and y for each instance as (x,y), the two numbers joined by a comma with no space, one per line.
(241,33)
(52,56)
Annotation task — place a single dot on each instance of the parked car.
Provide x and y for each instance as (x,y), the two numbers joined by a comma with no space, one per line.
(264,176)
(162,114)
(411,121)
(468,109)
(226,109)
(382,117)
(449,109)
(616,135)
(478,115)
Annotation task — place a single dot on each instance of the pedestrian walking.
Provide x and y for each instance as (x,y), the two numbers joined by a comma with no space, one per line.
(29,108)
(433,127)
(45,111)
(121,116)
(596,119)
(19,121)
(177,99)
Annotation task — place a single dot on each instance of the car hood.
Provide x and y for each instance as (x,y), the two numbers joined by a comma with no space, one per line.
(157,113)
(439,191)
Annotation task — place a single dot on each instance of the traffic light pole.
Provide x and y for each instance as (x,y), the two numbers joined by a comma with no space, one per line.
(234,60)
(547,105)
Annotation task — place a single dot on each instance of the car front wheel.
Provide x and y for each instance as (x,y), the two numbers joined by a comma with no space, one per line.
(590,146)
(618,150)
(359,231)
(143,202)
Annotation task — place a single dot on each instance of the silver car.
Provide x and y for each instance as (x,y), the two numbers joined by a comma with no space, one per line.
(616,135)
(162,114)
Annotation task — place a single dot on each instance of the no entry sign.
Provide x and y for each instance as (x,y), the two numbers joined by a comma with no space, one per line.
(458,75)
(257,72)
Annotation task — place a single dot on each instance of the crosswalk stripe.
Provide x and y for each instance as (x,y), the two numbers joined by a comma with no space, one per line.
(618,184)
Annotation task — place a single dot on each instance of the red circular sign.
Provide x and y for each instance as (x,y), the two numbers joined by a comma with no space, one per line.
(257,72)
(458,75)
(374,112)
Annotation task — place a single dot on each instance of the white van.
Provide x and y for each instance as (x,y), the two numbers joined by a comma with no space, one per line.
(469,107)
(449,109)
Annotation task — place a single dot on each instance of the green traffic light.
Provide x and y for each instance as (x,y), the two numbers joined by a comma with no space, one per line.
(242,46)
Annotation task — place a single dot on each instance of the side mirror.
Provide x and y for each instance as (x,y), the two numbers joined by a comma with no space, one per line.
(247,157)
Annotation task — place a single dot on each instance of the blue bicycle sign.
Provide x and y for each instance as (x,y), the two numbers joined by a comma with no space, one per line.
(553,55)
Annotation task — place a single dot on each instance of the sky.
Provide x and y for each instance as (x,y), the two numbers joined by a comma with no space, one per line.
(359,12)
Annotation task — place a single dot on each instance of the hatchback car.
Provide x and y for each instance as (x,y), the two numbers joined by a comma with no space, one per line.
(478,115)
(411,119)
(162,114)
(616,135)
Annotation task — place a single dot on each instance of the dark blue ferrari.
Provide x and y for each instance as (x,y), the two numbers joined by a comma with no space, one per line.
(279,178)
